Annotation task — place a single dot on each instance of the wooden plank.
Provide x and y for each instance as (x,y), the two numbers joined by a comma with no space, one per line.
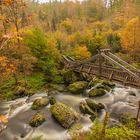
(122,61)
(110,59)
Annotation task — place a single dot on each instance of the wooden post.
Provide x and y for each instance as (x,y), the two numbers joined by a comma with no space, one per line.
(100,64)
(138,112)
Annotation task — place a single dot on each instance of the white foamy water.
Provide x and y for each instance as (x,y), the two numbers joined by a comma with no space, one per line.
(119,101)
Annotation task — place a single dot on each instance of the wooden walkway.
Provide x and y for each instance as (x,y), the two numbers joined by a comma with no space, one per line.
(106,65)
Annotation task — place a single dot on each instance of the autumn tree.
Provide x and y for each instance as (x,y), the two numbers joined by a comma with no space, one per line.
(114,41)
(44,49)
(81,53)
(130,37)
(6,68)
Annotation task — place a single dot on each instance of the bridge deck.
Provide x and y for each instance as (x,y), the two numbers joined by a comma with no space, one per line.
(129,76)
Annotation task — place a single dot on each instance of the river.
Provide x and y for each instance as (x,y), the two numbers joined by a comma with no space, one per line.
(120,100)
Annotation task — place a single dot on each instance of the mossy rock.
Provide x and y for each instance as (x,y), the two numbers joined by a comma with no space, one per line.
(108,83)
(52,100)
(85,109)
(95,82)
(97,92)
(57,87)
(39,103)
(105,87)
(77,87)
(30,92)
(65,115)
(94,106)
(70,76)
(101,106)
(37,120)
(53,92)
(20,91)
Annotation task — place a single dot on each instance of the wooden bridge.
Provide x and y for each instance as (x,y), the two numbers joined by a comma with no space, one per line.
(106,65)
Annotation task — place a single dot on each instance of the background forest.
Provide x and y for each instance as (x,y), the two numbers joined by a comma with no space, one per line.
(34,36)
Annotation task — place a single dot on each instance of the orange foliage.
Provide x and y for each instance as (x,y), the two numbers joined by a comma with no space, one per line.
(6,68)
(81,52)
(130,37)
(3,118)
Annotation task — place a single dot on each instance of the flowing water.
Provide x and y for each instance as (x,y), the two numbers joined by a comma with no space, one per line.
(120,100)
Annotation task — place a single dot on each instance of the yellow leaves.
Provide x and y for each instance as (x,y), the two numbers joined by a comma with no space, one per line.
(130,36)
(67,24)
(3,118)
(81,52)
(99,25)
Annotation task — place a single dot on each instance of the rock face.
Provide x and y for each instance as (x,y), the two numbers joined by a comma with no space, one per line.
(97,92)
(39,103)
(37,120)
(65,115)
(77,87)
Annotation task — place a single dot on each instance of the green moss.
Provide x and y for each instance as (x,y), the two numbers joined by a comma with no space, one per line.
(37,120)
(95,82)
(57,87)
(36,81)
(93,105)
(84,108)
(97,93)
(77,87)
(65,115)
(75,129)
(9,95)
(58,79)
(70,76)
(37,138)
(19,91)
(108,83)
(52,100)
(39,103)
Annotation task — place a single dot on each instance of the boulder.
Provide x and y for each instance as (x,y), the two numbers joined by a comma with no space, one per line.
(132,93)
(105,87)
(85,109)
(96,92)
(108,83)
(93,105)
(101,106)
(53,92)
(70,76)
(94,82)
(29,92)
(65,115)
(37,120)
(39,103)
(77,87)
(52,100)
(19,91)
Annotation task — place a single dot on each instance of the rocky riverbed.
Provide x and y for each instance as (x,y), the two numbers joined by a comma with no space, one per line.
(117,101)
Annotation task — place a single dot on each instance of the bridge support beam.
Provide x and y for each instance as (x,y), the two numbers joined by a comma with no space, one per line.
(100,64)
